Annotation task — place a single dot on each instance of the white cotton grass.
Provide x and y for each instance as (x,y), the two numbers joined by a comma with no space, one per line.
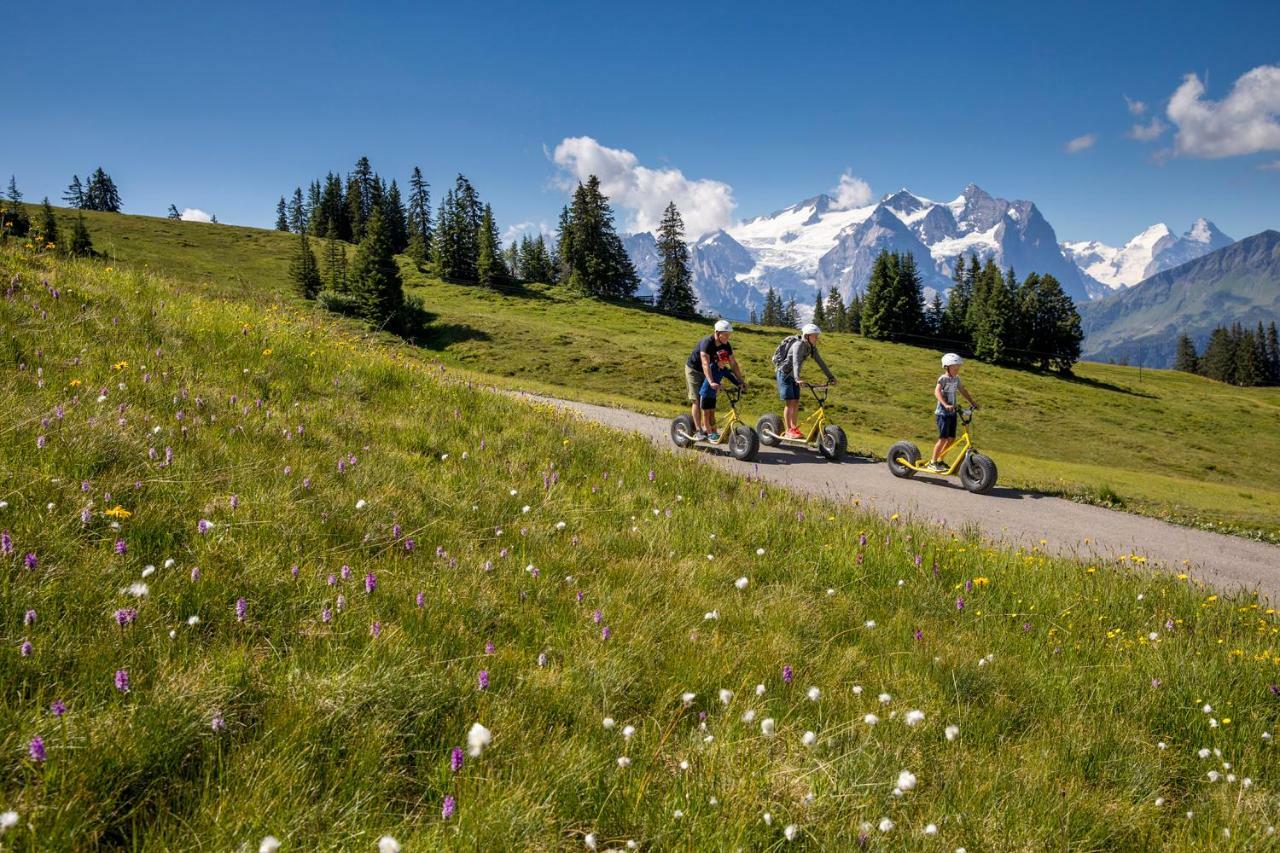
(885,698)
(870,719)
(906,781)
(711,615)
(137,590)
(623,762)
(193,621)
(885,824)
(789,832)
(952,732)
(590,841)
(361,504)
(857,690)
(607,722)
(148,571)
(270,844)
(768,727)
(477,739)
(170,563)
(628,732)
(9,819)
(748,715)
(809,739)
(759,689)
(686,699)
(768,819)
(813,694)
(930,829)
(759,552)
(914,717)
(742,582)
(870,623)
(726,696)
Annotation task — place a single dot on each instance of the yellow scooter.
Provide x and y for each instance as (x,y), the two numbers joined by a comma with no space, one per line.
(977,472)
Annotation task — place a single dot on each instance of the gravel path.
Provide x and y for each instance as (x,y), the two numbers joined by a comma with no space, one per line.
(1005,515)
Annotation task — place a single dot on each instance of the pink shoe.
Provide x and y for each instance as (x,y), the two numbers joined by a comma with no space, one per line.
(793,433)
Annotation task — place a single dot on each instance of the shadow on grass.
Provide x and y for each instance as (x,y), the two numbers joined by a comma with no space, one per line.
(1104,386)
(418,326)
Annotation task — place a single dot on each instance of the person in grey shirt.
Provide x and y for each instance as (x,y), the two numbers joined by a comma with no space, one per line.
(789,381)
(944,392)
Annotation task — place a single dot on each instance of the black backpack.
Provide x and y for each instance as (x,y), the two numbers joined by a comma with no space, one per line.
(783,352)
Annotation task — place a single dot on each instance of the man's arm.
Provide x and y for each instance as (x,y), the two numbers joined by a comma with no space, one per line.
(706,371)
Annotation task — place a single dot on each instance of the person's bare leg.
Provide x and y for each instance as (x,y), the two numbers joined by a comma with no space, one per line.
(792,408)
(941,447)
(696,411)
(709,416)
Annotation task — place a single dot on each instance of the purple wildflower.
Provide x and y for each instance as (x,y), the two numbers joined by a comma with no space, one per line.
(25,649)
(40,442)
(326,615)
(919,635)
(488,648)
(1155,684)
(1275,690)
(203,526)
(242,609)
(306,483)
(419,599)
(294,571)
(342,602)
(125,616)
(331,580)
(862,539)
(395,531)
(787,674)
(36,748)
(1026,626)
(455,759)
(370,582)
(234,501)
(449,807)
(581,595)
(218,724)
(960,602)
(195,573)
(542,658)
(968,586)
(597,617)
(57,707)
(652,475)
(29,618)
(919,560)
(345,572)
(122,680)
(605,633)
(30,560)
(375,629)
(483,680)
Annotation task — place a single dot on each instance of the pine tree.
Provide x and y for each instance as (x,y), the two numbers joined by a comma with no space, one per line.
(303,270)
(535,261)
(297,213)
(314,195)
(853,314)
(952,326)
(598,263)
(989,311)
(74,196)
(375,278)
(335,261)
(14,221)
(490,269)
(877,304)
(419,213)
(511,256)
(1248,371)
(820,314)
(332,210)
(772,315)
(445,249)
(675,292)
(1187,361)
(353,209)
(933,315)
(175,215)
(909,298)
(791,314)
(1058,313)
(1218,360)
(81,243)
(282,215)
(101,193)
(1273,353)
(753,318)
(48,225)
(564,244)
(837,316)
(397,226)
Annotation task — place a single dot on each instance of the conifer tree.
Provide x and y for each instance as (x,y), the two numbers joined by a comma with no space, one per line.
(14,221)
(374,277)
(81,243)
(335,261)
(535,261)
(791,314)
(837,316)
(397,226)
(772,315)
(853,314)
(989,311)
(353,208)
(445,251)
(564,244)
(297,213)
(1187,361)
(598,263)
(175,215)
(101,193)
(313,207)
(820,314)
(675,291)
(753,318)
(878,303)
(1218,360)
(303,270)
(74,196)
(49,225)
(419,212)
(511,257)
(490,269)
(954,326)
(1273,353)
(282,215)
(933,315)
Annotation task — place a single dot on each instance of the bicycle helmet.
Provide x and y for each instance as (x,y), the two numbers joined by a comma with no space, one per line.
(724,326)
(951,358)
(810,329)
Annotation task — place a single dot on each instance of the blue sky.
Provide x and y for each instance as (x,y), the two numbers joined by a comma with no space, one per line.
(223,107)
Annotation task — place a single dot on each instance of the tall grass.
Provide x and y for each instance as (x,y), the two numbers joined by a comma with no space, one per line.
(304,443)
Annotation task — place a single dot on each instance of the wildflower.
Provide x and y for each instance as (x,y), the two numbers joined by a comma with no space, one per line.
(346,572)
(605,633)
(326,615)
(8,820)
(914,717)
(813,694)
(906,781)
(870,719)
(455,759)
(787,674)
(242,609)
(809,739)
(623,762)
(870,623)
(483,681)
(370,582)
(741,583)
(217,723)
(590,841)
(759,689)
(25,649)
(748,715)
(137,590)
(375,630)
(542,659)
(885,698)
(125,616)
(930,829)
(122,680)
(686,699)
(759,552)
(1214,775)
(387,844)
(767,727)
(341,603)
(30,560)
(477,739)
(857,690)
(6,543)
(789,832)
(449,807)
(195,573)
(203,526)
(960,602)
(57,707)
(725,696)
(29,618)
(952,732)
(361,504)
(270,844)
(628,732)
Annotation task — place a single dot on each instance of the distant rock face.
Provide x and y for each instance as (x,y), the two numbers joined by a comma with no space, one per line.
(1153,250)
(813,245)
(643,251)
(1141,324)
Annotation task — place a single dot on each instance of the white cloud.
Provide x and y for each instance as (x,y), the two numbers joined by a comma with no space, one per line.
(195,214)
(1136,108)
(1246,121)
(1273,166)
(530,228)
(1148,132)
(852,191)
(706,205)
(1080,143)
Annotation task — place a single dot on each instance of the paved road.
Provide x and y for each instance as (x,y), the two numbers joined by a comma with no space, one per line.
(1005,515)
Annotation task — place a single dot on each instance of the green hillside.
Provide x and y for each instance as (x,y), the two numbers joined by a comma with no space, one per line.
(1156,442)
(263,572)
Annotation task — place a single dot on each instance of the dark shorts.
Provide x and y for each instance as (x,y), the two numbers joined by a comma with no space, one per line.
(788,388)
(946,425)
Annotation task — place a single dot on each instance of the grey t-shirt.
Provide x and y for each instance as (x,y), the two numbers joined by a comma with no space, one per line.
(951,385)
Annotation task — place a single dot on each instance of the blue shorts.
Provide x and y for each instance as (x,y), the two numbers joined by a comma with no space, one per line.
(788,388)
(946,425)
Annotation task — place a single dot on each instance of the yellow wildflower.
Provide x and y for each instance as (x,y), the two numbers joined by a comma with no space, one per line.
(118,511)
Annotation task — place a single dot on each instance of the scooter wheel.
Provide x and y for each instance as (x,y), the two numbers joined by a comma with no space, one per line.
(769,427)
(682,431)
(833,443)
(744,444)
(978,473)
(903,450)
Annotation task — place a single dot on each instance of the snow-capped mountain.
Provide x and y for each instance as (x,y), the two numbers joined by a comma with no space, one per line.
(1153,251)
(809,247)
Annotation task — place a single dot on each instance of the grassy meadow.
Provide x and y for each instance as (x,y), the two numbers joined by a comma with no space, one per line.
(1156,442)
(263,572)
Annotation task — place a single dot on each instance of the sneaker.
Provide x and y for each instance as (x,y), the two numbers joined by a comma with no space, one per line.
(793,433)
(699,436)
(938,466)
(713,437)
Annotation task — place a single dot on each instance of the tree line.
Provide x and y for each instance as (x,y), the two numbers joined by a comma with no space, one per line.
(98,192)
(44,235)
(1235,355)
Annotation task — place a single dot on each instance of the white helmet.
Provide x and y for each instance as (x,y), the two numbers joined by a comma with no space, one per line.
(951,359)
(724,326)
(810,329)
